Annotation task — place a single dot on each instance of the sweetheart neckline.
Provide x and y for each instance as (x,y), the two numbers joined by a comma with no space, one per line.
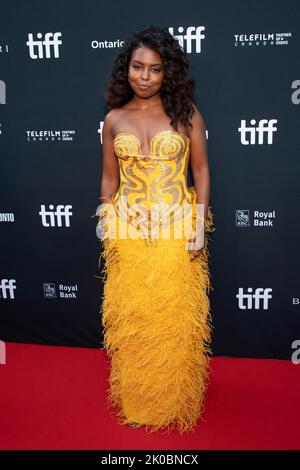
(152,138)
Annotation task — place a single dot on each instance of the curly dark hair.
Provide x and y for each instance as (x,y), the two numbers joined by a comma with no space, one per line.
(178,89)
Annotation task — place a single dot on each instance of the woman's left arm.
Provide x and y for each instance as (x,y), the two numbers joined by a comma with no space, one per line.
(199,160)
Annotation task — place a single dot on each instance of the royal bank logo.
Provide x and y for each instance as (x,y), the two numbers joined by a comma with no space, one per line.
(254,298)
(257,133)
(46,135)
(62,291)
(2,92)
(56,216)
(242,218)
(49,290)
(261,39)
(190,39)
(45,46)
(259,218)
(7,288)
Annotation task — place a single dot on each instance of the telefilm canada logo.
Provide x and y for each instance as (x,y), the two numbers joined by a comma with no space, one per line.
(54,135)
(261,39)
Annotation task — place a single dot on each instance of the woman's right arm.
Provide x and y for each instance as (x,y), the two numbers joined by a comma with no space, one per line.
(110,180)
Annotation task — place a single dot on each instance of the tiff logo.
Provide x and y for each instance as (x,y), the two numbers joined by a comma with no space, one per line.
(249,133)
(260,296)
(38,48)
(7,287)
(2,92)
(2,352)
(54,218)
(193,34)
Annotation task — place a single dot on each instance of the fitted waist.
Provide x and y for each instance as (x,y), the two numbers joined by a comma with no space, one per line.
(149,195)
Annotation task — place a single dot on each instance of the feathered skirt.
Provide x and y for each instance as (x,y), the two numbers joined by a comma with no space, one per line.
(156,320)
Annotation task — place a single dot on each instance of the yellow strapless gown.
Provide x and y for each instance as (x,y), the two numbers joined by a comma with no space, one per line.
(155,309)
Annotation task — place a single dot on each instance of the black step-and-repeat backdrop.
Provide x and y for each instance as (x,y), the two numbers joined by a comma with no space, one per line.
(55,58)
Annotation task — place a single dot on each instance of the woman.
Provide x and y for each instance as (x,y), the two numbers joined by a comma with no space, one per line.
(155,309)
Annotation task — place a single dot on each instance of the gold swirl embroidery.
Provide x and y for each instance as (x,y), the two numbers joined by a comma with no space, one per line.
(167,144)
(125,145)
(157,178)
(164,144)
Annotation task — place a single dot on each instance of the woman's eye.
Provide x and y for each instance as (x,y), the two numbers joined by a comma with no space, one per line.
(138,66)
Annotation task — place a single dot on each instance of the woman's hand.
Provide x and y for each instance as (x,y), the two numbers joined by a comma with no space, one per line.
(105,242)
(195,253)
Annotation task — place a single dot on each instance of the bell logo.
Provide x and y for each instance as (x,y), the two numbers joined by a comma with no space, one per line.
(259,299)
(40,49)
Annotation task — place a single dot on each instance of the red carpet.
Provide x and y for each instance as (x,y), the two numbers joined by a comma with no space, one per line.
(54,398)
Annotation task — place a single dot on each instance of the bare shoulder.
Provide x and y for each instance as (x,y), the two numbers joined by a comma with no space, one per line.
(115,119)
(197,116)
(111,117)
(197,119)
